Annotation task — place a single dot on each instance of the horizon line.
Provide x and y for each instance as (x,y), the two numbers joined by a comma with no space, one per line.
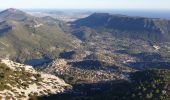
(93,9)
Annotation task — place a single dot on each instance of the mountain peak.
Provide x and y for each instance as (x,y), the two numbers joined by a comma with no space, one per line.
(11,10)
(13,14)
(100,15)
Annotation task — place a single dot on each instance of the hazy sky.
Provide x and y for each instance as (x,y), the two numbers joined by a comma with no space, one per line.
(83,4)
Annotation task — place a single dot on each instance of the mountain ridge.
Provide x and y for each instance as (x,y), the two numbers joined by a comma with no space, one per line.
(27,37)
(140,26)
(14,14)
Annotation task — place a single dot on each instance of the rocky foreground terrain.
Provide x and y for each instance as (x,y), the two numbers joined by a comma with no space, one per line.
(21,82)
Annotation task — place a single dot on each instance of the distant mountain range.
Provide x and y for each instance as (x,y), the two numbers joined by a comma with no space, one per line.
(23,36)
(125,26)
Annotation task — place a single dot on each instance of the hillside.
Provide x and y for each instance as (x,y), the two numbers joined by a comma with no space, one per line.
(23,36)
(18,81)
(135,42)
(14,14)
(151,84)
(125,26)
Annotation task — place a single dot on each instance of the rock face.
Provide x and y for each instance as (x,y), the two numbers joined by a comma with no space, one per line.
(18,81)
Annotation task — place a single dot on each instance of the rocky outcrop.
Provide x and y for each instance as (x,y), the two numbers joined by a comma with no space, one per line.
(22,82)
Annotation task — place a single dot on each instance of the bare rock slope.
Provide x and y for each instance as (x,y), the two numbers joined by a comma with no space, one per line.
(18,81)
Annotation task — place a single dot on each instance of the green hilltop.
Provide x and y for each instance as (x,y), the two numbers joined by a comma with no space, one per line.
(23,36)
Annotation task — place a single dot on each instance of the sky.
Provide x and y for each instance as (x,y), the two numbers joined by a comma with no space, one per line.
(87,4)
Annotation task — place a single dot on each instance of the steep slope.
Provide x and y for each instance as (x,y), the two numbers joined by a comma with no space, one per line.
(125,26)
(23,36)
(144,85)
(18,81)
